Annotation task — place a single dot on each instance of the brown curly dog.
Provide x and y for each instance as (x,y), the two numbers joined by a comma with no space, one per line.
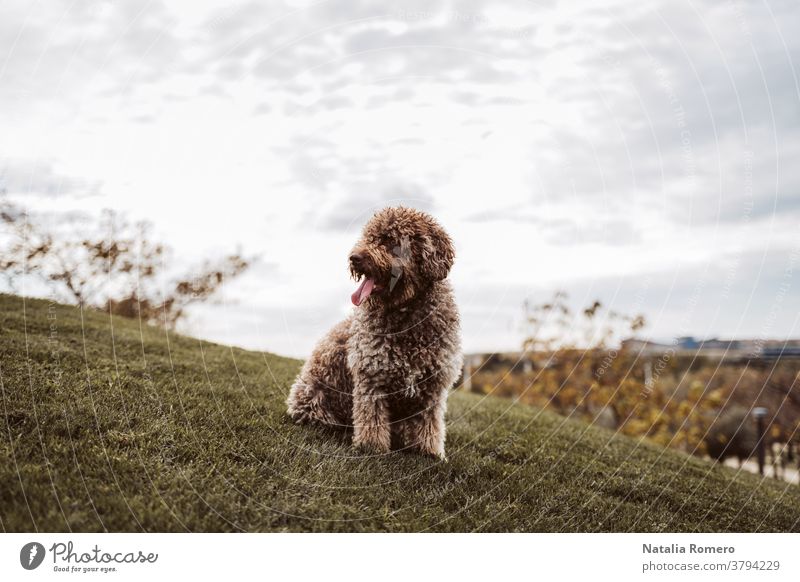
(385,370)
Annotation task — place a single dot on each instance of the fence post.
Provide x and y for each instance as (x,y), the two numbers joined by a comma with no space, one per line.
(759,413)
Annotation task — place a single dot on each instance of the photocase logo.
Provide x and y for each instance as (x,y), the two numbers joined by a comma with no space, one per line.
(31,555)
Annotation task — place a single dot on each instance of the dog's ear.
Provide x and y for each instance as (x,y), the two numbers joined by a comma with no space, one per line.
(438,255)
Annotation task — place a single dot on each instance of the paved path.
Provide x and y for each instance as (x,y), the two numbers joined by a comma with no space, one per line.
(789,474)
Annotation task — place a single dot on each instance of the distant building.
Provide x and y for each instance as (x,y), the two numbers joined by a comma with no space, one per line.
(749,349)
(686,343)
(645,347)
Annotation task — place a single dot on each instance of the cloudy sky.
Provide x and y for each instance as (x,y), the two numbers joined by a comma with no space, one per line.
(646,153)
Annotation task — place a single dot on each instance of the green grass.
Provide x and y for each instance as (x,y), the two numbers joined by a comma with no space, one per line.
(108,425)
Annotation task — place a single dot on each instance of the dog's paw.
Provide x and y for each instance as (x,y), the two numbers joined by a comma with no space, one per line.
(438,455)
(297,416)
(372,441)
(371,448)
(432,449)
(434,455)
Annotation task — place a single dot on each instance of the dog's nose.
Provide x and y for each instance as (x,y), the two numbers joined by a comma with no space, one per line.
(356,258)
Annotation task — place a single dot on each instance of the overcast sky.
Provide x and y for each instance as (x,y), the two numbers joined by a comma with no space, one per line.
(646,153)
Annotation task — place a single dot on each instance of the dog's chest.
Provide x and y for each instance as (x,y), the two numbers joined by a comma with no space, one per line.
(394,350)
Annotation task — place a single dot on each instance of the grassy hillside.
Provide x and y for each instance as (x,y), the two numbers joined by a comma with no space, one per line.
(108,425)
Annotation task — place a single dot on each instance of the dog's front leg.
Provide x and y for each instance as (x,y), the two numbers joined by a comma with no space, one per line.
(425,431)
(371,420)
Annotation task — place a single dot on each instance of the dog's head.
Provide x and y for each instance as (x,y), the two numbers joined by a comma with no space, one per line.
(401,253)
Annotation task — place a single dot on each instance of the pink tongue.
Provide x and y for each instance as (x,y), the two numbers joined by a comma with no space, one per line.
(362,292)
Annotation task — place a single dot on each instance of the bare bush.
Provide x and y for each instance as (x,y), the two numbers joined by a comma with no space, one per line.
(114,266)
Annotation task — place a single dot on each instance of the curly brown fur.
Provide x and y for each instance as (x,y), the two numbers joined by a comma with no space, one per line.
(385,370)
